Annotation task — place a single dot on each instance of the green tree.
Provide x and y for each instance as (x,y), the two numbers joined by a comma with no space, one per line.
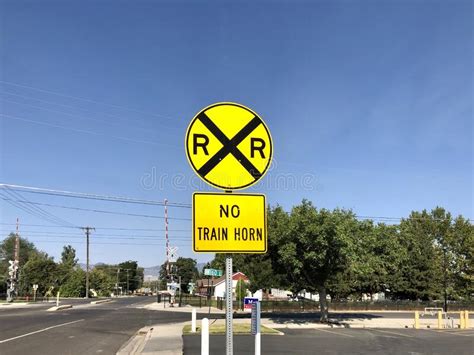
(67,265)
(186,269)
(241,292)
(313,245)
(40,269)
(68,256)
(375,259)
(102,280)
(461,241)
(130,275)
(424,270)
(75,284)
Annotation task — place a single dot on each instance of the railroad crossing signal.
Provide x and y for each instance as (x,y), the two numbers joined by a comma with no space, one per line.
(229,146)
(12,269)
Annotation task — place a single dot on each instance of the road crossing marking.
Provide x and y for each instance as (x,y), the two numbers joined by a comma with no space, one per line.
(395,333)
(337,333)
(459,332)
(40,331)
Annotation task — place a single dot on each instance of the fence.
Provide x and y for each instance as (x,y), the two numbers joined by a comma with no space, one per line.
(398,306)
(304,305)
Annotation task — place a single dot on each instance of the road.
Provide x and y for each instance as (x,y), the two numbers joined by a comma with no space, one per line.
(346,341)
(84,329)
(104,328)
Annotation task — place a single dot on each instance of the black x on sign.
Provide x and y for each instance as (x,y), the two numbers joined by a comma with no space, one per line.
(229,146)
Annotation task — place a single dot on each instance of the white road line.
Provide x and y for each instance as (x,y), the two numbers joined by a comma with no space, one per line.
(39,331)
(337,333)
(395,333)
(461,333)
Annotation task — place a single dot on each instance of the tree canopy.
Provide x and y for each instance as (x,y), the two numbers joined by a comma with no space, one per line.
(427,256)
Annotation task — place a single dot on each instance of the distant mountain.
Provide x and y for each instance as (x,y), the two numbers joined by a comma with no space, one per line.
(91,266)
(152,271)
(83,266)
(200,266)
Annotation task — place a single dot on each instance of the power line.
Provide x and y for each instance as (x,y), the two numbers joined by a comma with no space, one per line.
(82,195)
(71,107)
(104,228)
(95,234)
(57,111)
(29,210)
(88,131)
(86,99)
(112,123)
(41,211)
(123,199)
(157,238)
(103,243)
(99,211)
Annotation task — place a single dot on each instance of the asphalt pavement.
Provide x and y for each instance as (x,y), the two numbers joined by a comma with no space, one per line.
(84,329)
(105,328)
(345,341)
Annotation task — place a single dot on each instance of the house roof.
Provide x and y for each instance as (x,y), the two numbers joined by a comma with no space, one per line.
(216,281)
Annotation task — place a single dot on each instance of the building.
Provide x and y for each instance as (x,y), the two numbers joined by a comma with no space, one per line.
(215,287)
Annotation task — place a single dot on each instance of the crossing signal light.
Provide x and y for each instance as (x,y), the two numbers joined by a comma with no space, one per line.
(12,268)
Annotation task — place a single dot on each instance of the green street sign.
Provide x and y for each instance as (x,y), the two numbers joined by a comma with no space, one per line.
(213,272)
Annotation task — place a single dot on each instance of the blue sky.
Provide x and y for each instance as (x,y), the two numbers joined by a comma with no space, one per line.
(369,103)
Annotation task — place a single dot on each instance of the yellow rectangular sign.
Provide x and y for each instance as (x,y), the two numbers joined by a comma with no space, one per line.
(229,223)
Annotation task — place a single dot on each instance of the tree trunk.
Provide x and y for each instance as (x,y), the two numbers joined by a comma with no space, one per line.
(323,305)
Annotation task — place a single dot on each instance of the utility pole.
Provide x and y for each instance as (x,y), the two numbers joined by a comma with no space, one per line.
(167,239)
(14,264)
(117,283)
(87,230)
(17,242)
(445,281)
(127,270)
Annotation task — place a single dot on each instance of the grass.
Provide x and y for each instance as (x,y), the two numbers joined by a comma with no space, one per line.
(239,328)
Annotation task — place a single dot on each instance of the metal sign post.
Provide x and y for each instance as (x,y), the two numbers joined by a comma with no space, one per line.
(256,326)
(229,146)
(35,288)
(228,305)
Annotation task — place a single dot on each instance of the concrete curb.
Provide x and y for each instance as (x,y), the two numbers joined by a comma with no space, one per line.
(136,344)
(101,301)
(59,308)
(21,304)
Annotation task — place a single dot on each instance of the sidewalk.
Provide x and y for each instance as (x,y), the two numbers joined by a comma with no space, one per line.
(165,339)
(21,305)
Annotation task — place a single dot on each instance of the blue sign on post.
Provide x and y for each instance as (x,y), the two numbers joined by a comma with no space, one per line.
(248,301)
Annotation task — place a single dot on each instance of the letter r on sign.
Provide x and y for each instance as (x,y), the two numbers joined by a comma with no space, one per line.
(200,140)
(257,147)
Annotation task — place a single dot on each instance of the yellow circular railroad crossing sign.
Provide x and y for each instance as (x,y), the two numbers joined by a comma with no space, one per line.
(229,146)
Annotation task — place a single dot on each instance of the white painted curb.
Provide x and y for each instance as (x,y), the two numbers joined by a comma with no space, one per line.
(59,308)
